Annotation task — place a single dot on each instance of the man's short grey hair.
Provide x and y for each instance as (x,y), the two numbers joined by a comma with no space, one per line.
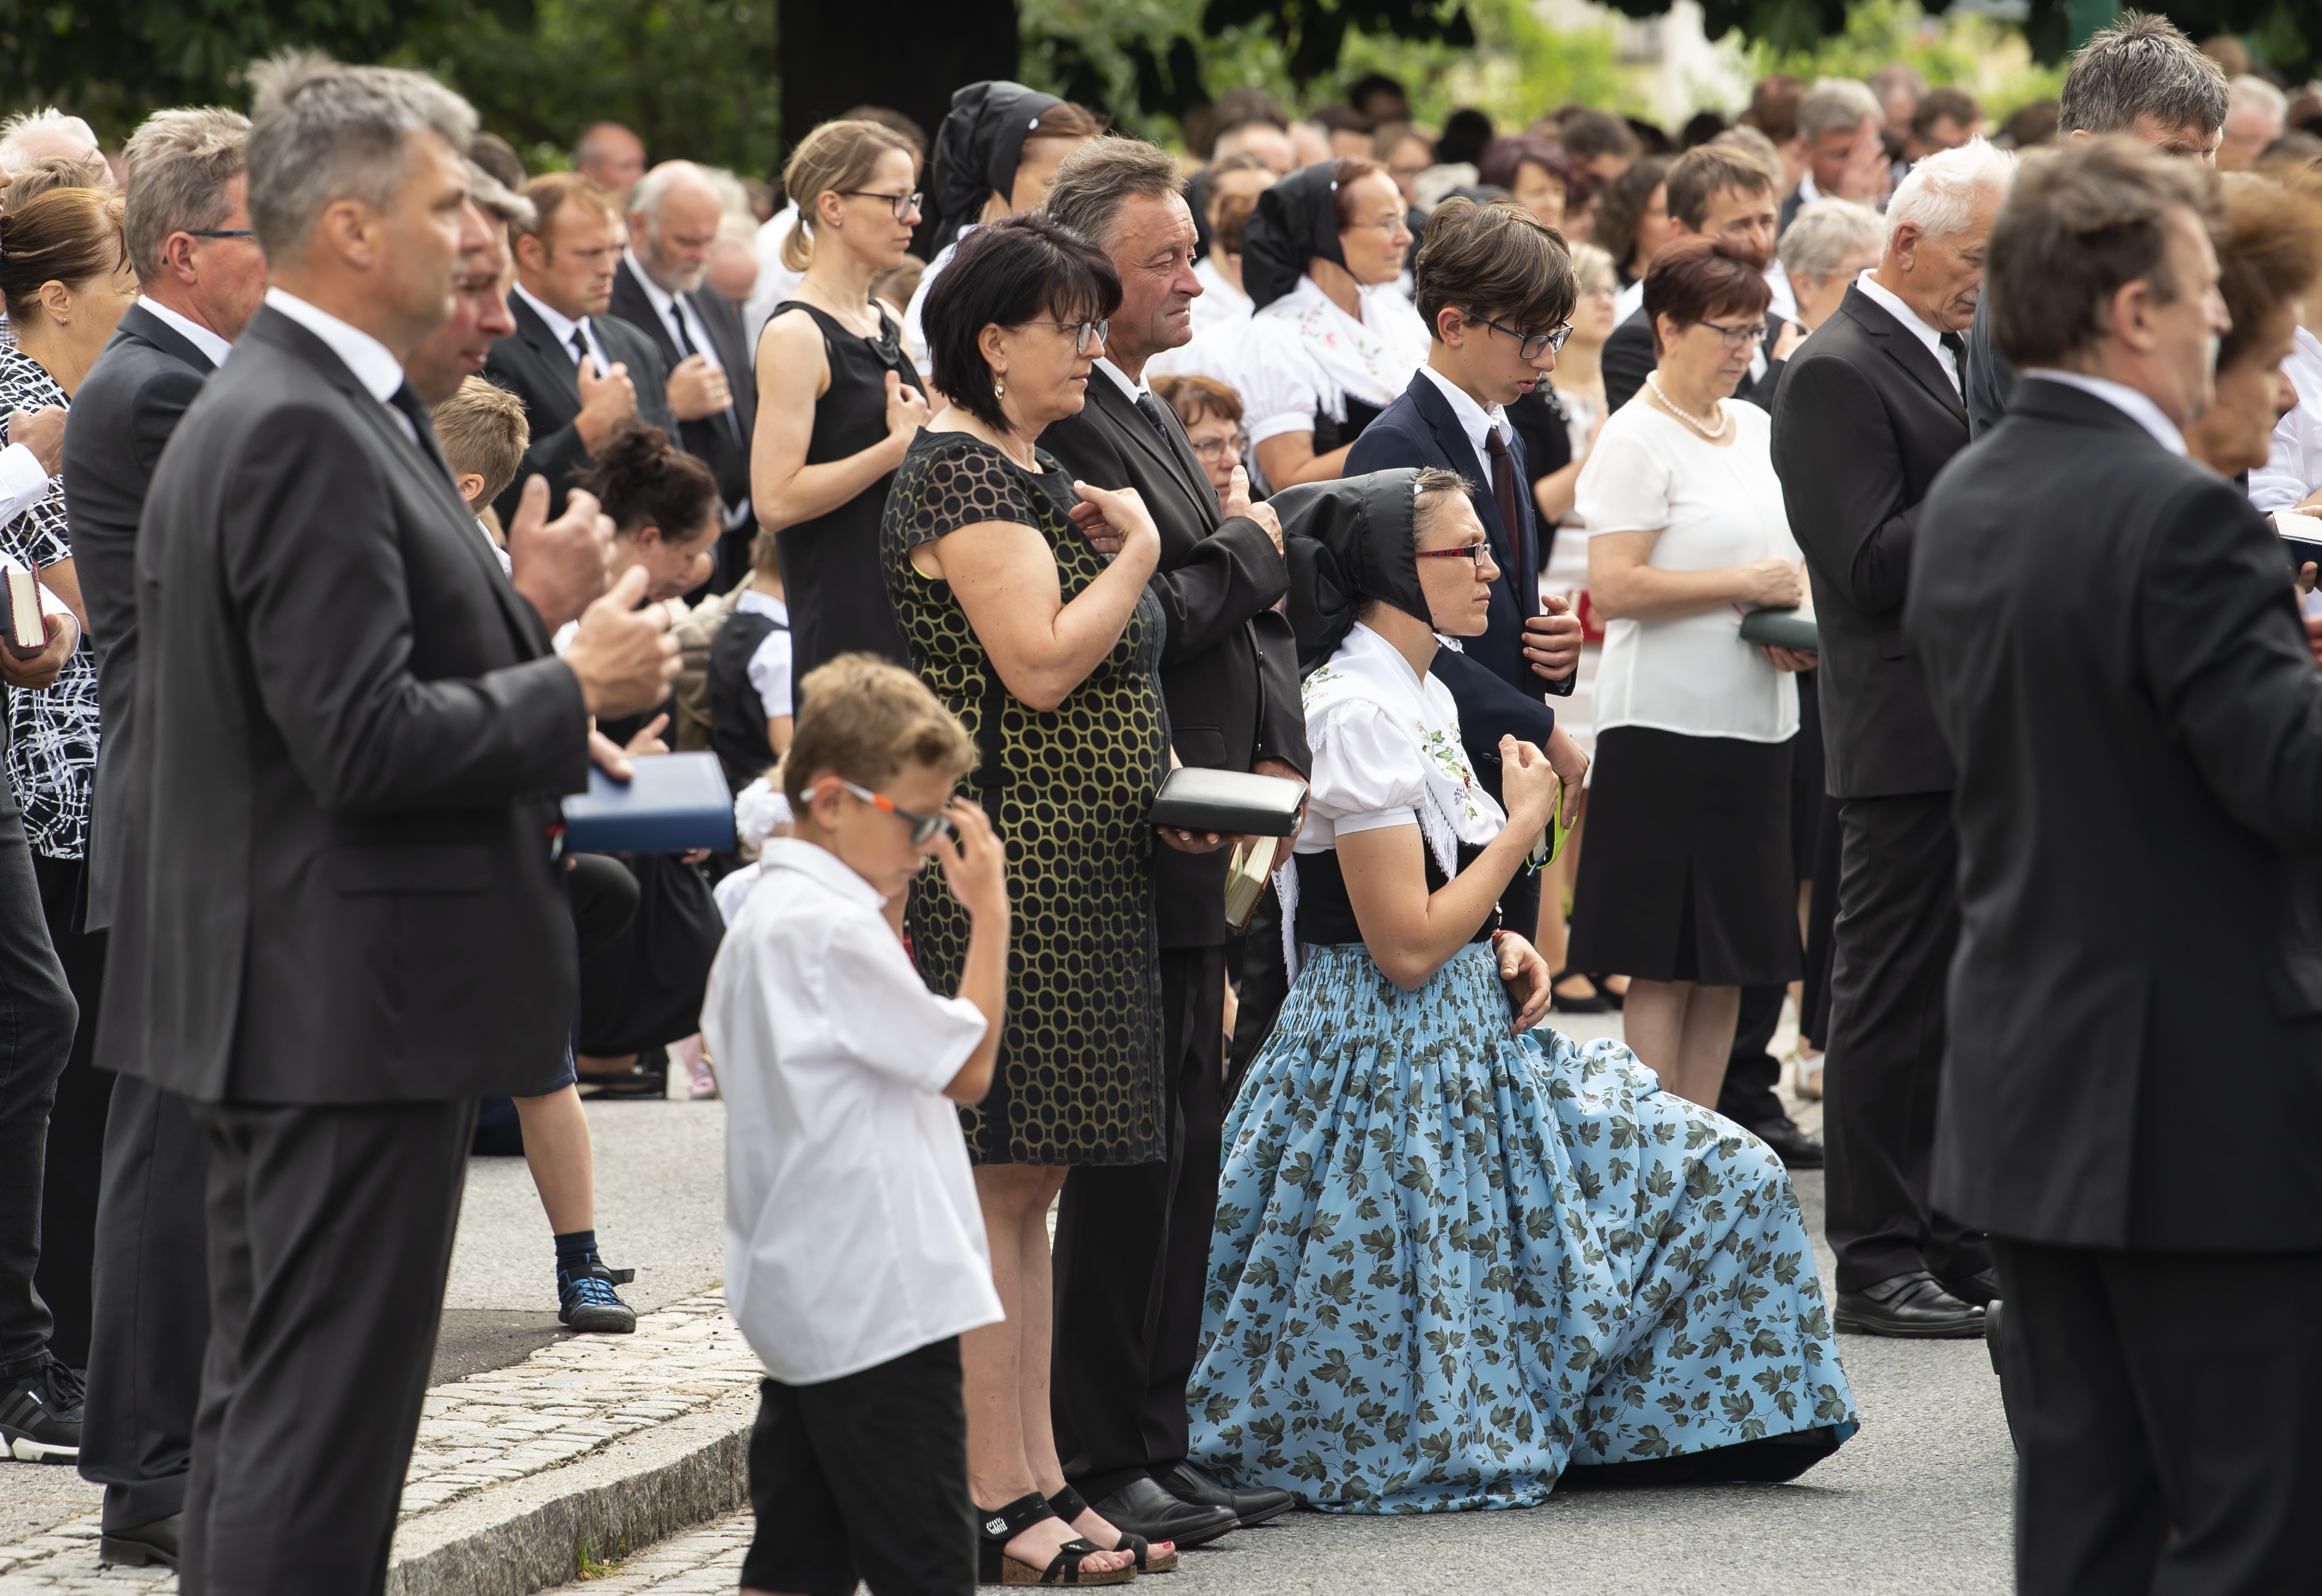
(1836,105)
(2142,67)
(179,163)
(1823,235)
(321,132)
(48,119)
(1943,189)
(2249,93)
(496,200)
(1095,181)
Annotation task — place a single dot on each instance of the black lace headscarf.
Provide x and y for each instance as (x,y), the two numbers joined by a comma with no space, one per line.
(1296,220)
(978,147)
(1349,541)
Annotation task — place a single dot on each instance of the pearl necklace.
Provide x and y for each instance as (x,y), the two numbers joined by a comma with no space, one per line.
(1654,381)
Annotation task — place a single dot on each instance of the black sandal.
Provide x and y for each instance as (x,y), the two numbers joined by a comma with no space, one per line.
(1070,1504)
(999,1525)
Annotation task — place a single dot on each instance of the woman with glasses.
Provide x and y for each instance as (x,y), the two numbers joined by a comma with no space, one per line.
(838,398)
(1687,885)
(1050,654)
(1332,342)
(1211,413)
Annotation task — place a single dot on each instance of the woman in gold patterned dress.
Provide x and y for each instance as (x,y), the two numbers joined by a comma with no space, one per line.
(1049,653)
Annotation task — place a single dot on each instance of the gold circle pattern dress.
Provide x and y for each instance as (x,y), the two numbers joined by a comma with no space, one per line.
(1078,1080)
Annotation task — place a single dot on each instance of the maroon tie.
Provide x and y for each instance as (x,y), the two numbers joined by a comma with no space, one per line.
(1503,491)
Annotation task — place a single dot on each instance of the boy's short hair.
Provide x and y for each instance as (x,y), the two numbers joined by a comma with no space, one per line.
(1495,259)
(866,719)
(483,429)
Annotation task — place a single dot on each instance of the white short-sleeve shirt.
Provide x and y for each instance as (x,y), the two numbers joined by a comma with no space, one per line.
(1368,774)
(1303,355)
(1714,508)
(852,1231)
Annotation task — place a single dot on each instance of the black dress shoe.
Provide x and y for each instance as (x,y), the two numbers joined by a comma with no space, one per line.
(1913,1306)
(1793,1146)
(145,1544)
(1188,1483)
(1977,1288)
(1142,1507)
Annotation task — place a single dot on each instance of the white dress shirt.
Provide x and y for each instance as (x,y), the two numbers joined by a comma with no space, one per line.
(2138,408)
(852,1231)
(216,347)
(776,282)
(508,566)
(2294,470)
(1628,302)
(23,481)
(676,314)
(373,364)
(1132,391)
(915,330)
(561,327)
(1887,300)
(1476,421)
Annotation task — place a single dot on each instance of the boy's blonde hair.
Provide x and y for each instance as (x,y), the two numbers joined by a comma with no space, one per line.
(483,431)
(866,719)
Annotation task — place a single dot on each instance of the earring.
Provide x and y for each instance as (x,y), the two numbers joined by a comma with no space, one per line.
(998,388)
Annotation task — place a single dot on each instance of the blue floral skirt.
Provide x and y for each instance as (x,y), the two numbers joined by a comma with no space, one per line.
(1450,1262)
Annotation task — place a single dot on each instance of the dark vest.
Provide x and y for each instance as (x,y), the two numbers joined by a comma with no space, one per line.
(737,720)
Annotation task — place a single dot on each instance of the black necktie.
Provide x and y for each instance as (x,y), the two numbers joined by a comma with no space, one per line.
(1958,346)
(580,346)
(687,347)
(406,399)
(1504,492)
(1151,411)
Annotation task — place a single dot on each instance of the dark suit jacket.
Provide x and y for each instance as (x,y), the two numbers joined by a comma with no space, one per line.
(1867,418)
(1990,377)
(1792,203)
(531,364)
(712,438)
(1628,359)
(2115,658)
(127,407)
(355,736)
(1229,665)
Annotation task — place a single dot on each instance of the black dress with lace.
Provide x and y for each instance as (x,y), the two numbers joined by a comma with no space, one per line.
(1079,1074)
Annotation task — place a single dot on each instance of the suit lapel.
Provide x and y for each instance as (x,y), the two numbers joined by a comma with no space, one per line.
(1904,349)
(1118,408)
(138,321)
(555,358)
(1451,440)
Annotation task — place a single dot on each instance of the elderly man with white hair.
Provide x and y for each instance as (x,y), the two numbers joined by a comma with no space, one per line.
(675,213)
(2256,113)
(1871,407)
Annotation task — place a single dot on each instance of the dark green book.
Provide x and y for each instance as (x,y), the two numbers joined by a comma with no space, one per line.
(1782,628)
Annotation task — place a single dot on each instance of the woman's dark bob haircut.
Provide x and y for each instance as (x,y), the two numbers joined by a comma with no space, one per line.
(1022,268)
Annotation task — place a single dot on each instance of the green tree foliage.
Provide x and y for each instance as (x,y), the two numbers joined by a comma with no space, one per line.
(1972,52)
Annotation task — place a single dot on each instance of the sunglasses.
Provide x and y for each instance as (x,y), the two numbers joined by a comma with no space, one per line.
(924,827)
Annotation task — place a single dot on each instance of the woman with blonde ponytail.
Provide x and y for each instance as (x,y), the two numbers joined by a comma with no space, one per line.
(838,398)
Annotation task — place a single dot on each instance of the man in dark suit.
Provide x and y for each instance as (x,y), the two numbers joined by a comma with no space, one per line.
(1132,1244)
(350,751)
(674,217)
(201,276)
(1839,120)
(2113,654)
(580,371)
(1497,294)
(1715,191)
(1872,409)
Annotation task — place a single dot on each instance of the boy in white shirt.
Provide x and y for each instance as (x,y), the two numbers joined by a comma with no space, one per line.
(855,1248)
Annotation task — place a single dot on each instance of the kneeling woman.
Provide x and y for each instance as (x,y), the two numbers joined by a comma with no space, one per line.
(1455,1260)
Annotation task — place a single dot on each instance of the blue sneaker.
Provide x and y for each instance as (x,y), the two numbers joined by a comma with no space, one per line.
(589,1303)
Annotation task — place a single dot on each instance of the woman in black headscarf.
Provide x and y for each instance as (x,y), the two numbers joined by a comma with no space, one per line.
(1332,342)
(996,154)
(1544,1264)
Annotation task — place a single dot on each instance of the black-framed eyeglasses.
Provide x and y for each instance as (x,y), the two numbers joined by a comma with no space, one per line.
(896,203)
(1084,334)
(1475,553)
(1740,337)
(923,827)
(1531,342)
(221,231)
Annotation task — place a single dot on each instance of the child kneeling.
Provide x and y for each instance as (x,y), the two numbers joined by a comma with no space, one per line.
(855,1249)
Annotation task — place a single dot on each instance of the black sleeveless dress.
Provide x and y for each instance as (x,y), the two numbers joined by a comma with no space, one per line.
(831,570)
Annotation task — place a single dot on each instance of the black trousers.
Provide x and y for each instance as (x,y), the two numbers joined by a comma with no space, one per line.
(329,1235)
(1747,1097)
(2167,1416)
(37,1016)
(153,1305)
(69,1185)
(1897,923)
(1132,1255)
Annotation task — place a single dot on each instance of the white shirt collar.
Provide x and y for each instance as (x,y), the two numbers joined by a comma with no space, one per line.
(559,326)
(377,368)
(820,864)
(1808,192)
(2138,406)
(1894,305)
(190,330)
(756,603)
(1135,390)
(1476,421)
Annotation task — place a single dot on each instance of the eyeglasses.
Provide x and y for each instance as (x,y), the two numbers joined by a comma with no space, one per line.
(1084,334)
(923,827)
(1475,553)
(1532,343)
(897,203)
(1391,227)
(220,233)
(1739,337)
(1219,448)
(1600,291)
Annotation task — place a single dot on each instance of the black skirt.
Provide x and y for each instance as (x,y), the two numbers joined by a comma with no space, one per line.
(1686,874)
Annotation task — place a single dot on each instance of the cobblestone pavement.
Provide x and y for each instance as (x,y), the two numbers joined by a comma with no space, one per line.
(705,1561)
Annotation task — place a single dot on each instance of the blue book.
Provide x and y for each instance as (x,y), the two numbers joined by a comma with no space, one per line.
(674,803)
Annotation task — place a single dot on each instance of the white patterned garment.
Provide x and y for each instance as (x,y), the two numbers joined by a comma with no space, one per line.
(51,735)
(1303,357)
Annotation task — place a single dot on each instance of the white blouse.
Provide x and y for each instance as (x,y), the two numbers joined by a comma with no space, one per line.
(1714,508)
(1305,355)
(1220,303)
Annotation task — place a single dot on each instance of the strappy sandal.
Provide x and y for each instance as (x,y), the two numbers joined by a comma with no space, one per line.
(1070,1504)
(999,1525)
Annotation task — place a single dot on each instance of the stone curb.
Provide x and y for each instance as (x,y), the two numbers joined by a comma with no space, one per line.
(526,1535)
